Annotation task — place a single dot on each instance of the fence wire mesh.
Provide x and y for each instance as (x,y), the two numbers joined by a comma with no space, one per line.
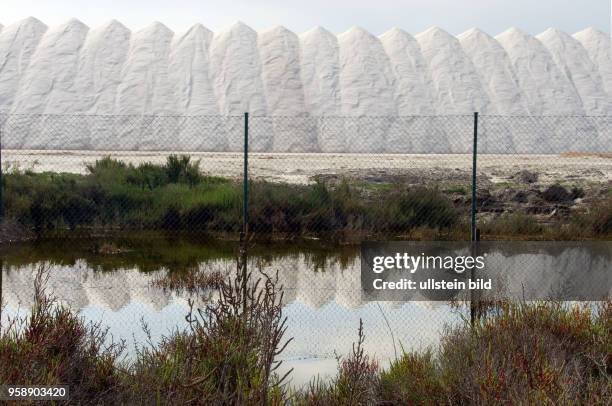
(154,196)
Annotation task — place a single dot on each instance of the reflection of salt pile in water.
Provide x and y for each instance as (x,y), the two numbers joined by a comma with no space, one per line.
(313,284)
(109,291)
(574,272)
(72,69)
(80,286)
(66,283)
(348,285)
(317,285)
(141,290)
(18,287)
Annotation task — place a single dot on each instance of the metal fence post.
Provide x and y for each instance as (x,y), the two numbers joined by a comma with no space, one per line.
(474,156)
(245,215)
(1,175)
(1,215)
(474,234)
(245,181)
(1,289)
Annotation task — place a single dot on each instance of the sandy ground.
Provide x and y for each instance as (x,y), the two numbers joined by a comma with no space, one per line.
(301,168)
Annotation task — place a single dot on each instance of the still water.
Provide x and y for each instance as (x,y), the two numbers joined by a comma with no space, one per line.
(113,282)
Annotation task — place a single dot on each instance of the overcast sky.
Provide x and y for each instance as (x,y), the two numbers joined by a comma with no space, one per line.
(376,16)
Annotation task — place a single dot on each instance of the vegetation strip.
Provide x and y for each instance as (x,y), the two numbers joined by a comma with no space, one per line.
(178,197)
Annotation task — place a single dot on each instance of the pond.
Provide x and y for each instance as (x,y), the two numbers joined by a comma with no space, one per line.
(115,282)
(112,281)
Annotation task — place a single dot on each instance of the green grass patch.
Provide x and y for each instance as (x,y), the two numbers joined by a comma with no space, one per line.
(457,189)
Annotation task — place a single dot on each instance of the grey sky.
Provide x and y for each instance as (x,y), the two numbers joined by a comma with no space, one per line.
(376,16)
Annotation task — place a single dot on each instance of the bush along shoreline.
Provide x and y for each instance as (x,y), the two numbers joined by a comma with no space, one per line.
(177,197)
(516,353)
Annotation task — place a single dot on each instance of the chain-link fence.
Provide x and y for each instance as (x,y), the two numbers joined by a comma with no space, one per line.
(133,188)
(307,134)
(310,175)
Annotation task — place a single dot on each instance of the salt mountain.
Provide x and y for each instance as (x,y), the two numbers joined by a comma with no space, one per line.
(72,69)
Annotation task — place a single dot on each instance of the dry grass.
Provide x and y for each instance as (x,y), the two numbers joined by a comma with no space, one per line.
(356,383)
(528,353)
(570,154)
(539,353)
(226,356)
(54,346)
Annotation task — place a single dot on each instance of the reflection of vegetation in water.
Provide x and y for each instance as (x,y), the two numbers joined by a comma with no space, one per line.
(149,252)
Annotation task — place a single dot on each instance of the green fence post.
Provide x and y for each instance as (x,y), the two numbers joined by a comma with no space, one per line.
(474,156)
(1,216)
(245,181)
(245,214)
(1,177)
(474,235)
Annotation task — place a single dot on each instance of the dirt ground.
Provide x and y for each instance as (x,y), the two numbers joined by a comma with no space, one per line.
(302,168)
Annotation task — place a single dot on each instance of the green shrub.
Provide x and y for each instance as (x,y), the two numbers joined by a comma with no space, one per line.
(593,221)
(177,196)
(602,219)
(148,176)
(521,353)
(426,207)
(457,189)
(414,379)
(511,224)
(179,169)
